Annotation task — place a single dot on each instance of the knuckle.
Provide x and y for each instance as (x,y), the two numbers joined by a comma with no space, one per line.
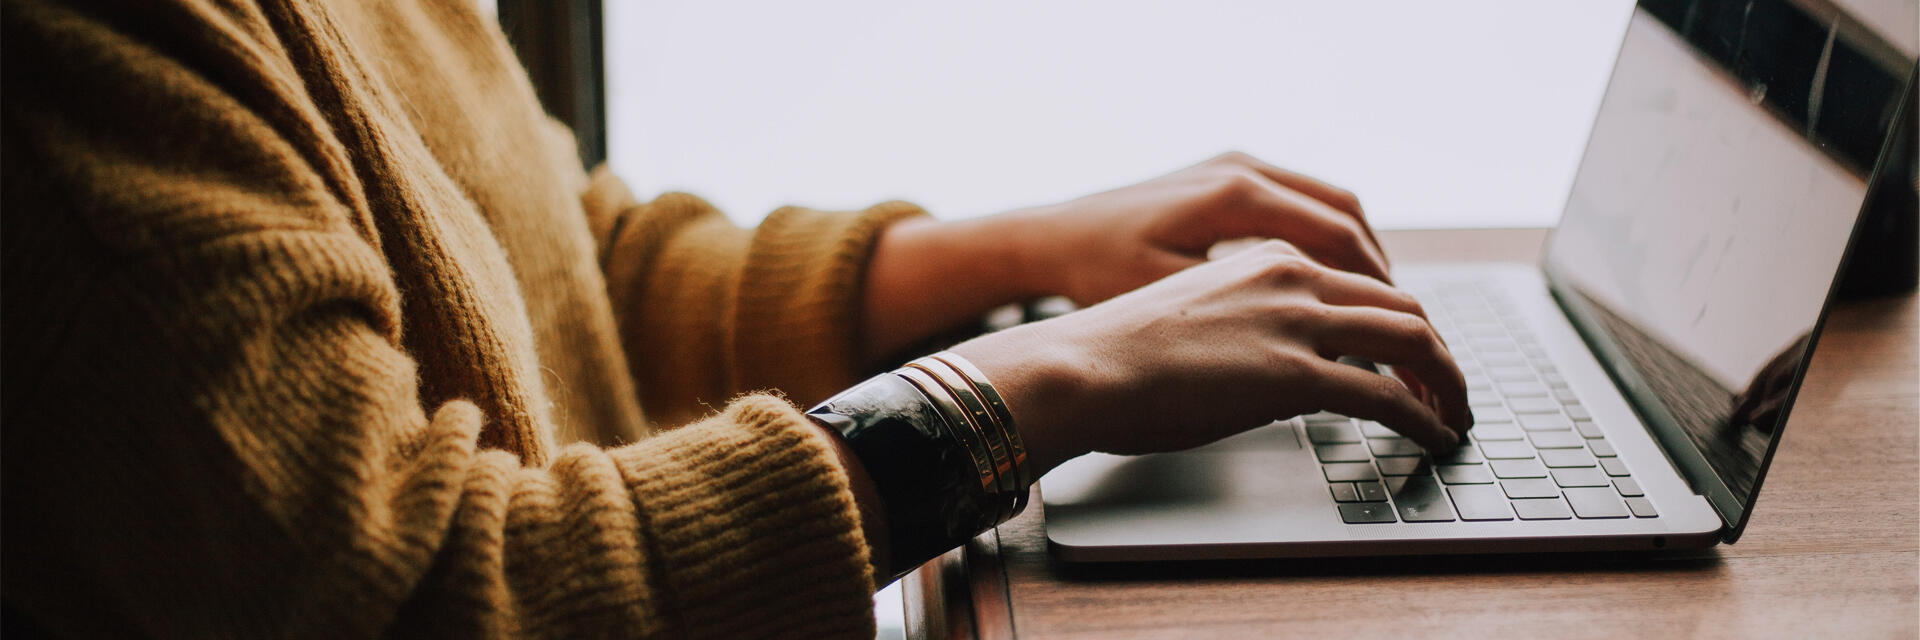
(1238,186)
(1278,248)
(1345,200)
(1235,157)
(1353,242)
(1412,329)
(1409,303)
(1288,361)
(1290,269)
(1383,392)
(1404,332)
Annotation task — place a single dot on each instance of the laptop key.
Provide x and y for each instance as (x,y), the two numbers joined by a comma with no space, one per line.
(1344,492)
(1522,389)
(1545,422)
(1519,488)
(1366,513)
(1555,440)
(1461,455)
(1420,499)
(1588,429)
(1349,472)
(1579,412)
(1519,469)
(1565,395)
(1602,448)
(1542,509)
(1628,487)
(1503,359)
(1511,374)
(1324,417)
(1496,431)
(1403,466)
(1565,458)
(1596,503)
(1371,491)
(1341,453)
(1491,414)
(1377,430)
(1493,345)
(1482,399)
(1586,477)
(1480,502)
(1613,466)
(1465,474)
(1642,508)
(1332,433)
(1506,450)
(1483,329)
(1395,447)
(1533,405)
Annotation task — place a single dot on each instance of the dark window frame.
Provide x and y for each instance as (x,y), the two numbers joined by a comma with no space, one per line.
(561,45)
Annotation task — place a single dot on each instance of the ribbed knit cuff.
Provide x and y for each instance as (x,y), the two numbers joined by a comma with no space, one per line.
(801,299)
(754,525)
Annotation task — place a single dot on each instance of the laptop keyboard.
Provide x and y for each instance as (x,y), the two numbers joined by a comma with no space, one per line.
(1534,452)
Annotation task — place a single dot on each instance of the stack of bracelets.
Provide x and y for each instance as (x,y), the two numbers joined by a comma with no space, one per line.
(941,447)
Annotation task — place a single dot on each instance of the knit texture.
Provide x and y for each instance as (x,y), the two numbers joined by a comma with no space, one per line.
(315,327)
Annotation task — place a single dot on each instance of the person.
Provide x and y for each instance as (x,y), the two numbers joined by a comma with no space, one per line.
(315,326)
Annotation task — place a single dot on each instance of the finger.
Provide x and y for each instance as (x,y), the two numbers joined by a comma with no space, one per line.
(1349,289)
(1408,344)
(1354,290)
(1370,396)
(1327,235)
(1340,199)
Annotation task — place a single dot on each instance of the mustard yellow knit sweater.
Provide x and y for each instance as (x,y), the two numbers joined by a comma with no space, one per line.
(315,326)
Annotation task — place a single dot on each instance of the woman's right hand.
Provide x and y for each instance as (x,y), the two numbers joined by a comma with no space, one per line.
(1220,348)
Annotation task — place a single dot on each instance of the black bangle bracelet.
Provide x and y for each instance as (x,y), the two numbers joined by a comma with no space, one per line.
(928,482)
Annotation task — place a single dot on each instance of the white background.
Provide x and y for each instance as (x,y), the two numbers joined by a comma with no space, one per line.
(1439,114)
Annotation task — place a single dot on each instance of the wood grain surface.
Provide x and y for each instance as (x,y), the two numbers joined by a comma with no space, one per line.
(1833,549)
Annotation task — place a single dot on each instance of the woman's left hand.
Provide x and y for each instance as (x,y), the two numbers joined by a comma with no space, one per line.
(927,276)
(1106,244)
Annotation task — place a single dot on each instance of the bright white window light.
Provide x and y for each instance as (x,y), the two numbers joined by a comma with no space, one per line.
(1470,113)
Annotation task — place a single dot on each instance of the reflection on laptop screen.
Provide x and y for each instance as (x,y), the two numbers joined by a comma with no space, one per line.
(1713,205)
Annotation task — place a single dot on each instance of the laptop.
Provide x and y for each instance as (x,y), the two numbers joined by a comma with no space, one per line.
(1629,390)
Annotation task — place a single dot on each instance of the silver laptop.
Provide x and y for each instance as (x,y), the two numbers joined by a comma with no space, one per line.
(1628,391)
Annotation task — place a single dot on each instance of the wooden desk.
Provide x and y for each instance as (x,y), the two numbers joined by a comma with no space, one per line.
(1832,550)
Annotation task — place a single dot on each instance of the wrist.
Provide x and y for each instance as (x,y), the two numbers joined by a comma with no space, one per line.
(1045,384)
(1004,256)
(1028,251)
(928,276)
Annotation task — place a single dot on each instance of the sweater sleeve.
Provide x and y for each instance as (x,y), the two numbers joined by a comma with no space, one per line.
(213,428)
(775,307)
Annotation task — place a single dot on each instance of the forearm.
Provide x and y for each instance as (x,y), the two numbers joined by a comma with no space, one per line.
(929,276)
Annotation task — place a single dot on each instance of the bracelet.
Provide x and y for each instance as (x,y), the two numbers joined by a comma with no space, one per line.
(935,496)
(1003,419)
(942,449)
(986,411)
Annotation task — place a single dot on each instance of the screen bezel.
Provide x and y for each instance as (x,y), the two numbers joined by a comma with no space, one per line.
(1680,449)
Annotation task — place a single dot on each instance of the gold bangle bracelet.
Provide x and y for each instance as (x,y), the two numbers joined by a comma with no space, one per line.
(983,420)
(1016,446)
(956,423)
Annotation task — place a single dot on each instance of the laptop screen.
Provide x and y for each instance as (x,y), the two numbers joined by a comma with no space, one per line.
(1711,212)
